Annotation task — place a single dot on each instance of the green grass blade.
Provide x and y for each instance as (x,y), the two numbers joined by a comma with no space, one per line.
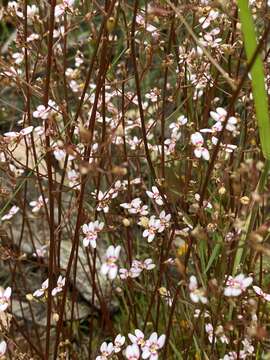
(257,74)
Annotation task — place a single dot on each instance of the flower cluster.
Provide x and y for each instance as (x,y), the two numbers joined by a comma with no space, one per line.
(140,347)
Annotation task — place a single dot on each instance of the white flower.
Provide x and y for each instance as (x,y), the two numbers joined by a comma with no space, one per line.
(13,210)
(148,264)
(175,126)
(171,143)
(18,58)
(199,151)
(219,116)
(138,338)
(196,294)
(106,350)
(60,284)
(132,352)
(210,332)
(155,195)
(59,153)
(40,292)
(12,135)
(248,347)
(74,178)
(210,40)
(152,346)
(110,267)
(136,207)
(32,37)
(154,226)
(91,231)
(103,201)
(41,112)
(206,20)
(118,343)
(3,348)
(259,292)
(219,332)
(164,219)
(5,298)
(26,130)
(235,286)
(134,142)
(37,205)
(40,252)
(197,313)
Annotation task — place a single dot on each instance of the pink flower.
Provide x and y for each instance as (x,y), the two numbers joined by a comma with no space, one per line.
(219,116)
(199,151)
(40,252)
(259,292)
(206,20)
(103,201)
(176,126)
(3,348)
(5,298)
(12,135)
(138,338)
(37,205)
(41,112)
(40,292)
(110,267)
(196,294)
(13,210)
(155,195)
(118,343)
(60,284)
(154,226)
(152,346)
(164,219)
(91,231)
(74,179)
(235,286)
(132,352)
(106,350)
(136,207)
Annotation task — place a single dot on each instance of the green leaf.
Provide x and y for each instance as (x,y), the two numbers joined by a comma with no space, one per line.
(213,256)
(257,74)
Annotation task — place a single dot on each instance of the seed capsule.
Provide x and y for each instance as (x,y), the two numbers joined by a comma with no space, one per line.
(110,24)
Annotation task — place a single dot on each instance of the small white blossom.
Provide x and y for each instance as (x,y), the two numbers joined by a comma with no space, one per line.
(152,346)
(106,350)
(235,286)
(91,231)
(13,210)
(219,116)
(196,294)
(138,338)
(3,348)
(132,352)
(155,195)
(40,252)
(60,284)
(38,204)
(118,343)
(199,151)
(5,298)
(110,267)
(41,112)
(136,207)
(40,292)
(259,292)
(154,226)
